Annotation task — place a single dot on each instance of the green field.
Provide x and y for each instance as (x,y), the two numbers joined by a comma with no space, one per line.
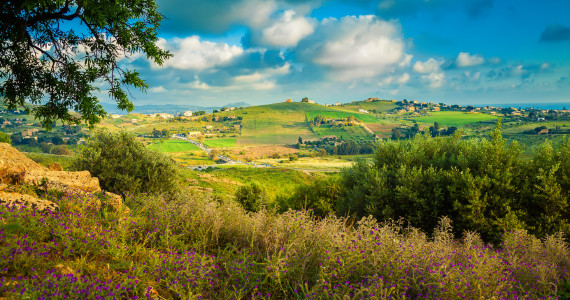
(220,143)
(354,133)
(169,146)
(336,114)
(226,180)
(455,118)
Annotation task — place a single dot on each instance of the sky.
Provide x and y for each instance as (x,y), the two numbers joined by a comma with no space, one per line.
(267,51)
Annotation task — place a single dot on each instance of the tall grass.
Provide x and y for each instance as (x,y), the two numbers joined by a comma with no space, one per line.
(192,246)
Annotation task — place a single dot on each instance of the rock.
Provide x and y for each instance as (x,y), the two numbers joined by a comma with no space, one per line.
(69,182)
(55,167)
(12,162)
(16,169)
(19,200)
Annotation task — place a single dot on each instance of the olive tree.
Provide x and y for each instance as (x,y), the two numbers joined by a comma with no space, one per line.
(54,54)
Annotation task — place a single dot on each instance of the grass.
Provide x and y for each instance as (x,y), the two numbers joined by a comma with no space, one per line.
(454,118)
(331,163)
(48,159)
(354,133)
(195,247)
(226,180)
(337,114)
(220,143)
(169,146)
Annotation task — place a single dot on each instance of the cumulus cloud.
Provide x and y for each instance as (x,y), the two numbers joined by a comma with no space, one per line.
(193,54)
(434,80)
(355,47)
(464,59)
(429,66)
(555,33)
(287,31)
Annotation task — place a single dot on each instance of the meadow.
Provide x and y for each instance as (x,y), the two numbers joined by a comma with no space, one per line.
(336,114)
(349,133)
(170,146)
(195,247)
(220,143)
(454,118)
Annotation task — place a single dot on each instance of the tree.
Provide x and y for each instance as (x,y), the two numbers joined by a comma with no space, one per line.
(300,140)
(305,99)
(5,138)
(122,163)
(252,196)
(54,52)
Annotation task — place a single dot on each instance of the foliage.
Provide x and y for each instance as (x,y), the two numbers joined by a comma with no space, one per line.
(252,197)
(122,163)
(54,52)
(192,247)
(320,196)
(5,138)
(481,185)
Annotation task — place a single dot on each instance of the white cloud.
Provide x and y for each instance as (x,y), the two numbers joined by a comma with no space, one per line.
(435,80)
(192,54)
(287,31)
(158,89)
(464,59)
(429,66)
(404,78)
(356,47)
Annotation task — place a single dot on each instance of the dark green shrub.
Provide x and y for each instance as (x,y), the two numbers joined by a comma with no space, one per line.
(482,185)
(5,138)
(252,196)
(122,163)
(319,195)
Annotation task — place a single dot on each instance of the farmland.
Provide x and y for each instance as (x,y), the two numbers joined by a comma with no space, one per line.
(454,118)
(170,146)
(220,143)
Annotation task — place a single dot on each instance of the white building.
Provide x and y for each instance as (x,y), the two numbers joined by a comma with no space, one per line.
(188,113)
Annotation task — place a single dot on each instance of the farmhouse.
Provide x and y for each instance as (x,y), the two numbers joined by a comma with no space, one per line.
(288,101)
(188,113)
(364,111)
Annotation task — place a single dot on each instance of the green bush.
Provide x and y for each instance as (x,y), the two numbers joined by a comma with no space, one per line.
(320,195)
(482,185)
(252,196)
(122,163)
(5,138)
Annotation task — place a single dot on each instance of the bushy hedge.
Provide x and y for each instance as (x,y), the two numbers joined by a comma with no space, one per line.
(482,185)
(122,163)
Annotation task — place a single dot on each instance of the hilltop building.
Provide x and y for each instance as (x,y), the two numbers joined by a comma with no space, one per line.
(188,113)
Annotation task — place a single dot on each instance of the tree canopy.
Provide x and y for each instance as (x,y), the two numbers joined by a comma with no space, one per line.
(55,54)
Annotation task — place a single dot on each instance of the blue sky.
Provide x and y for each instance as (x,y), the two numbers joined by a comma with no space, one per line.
(265,51)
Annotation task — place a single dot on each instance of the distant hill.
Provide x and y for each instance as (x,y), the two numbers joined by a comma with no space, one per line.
(167,108)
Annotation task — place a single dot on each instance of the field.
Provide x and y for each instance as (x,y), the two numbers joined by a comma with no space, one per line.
(454,118)
(220,143)
(311,164)
(336,114)
(353,133)
(255,152)
(169,146)
(226,181)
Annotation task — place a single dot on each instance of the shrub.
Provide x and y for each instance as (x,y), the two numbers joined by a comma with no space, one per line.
(320,196)
(122,163)
(482,185)
(5,138)
(252,196)
(61,150)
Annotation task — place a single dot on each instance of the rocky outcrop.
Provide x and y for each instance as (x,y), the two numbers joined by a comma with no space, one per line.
(19,200)
(16,169)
